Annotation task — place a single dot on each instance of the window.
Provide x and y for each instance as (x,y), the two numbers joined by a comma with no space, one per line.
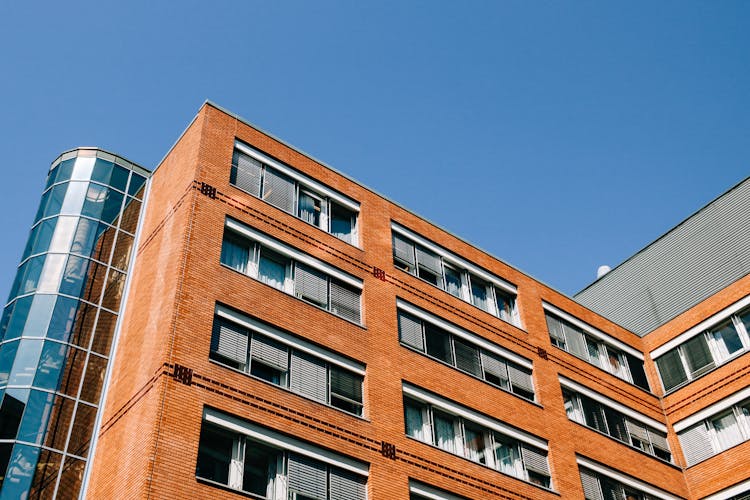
(574,339)
(268,465)
(726,428)
(703,352)
(608,420)
(421,491)
(601,483)
(292,192)
(466,352)
(454,275)
(281,359)
(282,268)
(437,422)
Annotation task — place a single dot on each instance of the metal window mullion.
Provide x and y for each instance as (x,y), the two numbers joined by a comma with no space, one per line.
(685,366)
(742,422)
(713,348)
(493,301)
(742,332)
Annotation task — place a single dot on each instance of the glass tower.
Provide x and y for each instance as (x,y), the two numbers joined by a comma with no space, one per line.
(59,323)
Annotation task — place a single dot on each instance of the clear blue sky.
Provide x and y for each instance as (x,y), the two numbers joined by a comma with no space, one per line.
(556,135)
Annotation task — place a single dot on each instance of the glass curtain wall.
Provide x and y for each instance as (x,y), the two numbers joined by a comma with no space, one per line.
(59,322)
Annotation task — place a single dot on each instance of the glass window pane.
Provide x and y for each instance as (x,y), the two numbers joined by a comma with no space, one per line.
(50,364)
(130,215)
(414,417)
(467,357)
(452,281)
(136,183)
(508,456)
(272,268)
(63,235)
(697,355)
(445,431)
(82,430)
(59,422)
(74,276)
(72,371)
(310,208)
(20,471)
(122,253)
(259,468)
(113,291)
(49,279)
(727,340)
(17,321)
(104,333)
(7,356)
(11,412)
(40,315)
(74,198)
(45,477)
(727,431)
(93,381)
(343,223)
(40,237)
(479,293)
(28,276)
(25,365)
(474,444)
(438,344)
(671,370)
(34,424)
(83,324)
(505,305)
(52,201)
(235,252)
(72,476)
(61,322)
(214,454)
(86,235)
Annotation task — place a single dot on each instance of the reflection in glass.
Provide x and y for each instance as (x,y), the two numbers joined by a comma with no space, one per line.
(59,421)
(35,418)
(72,372)
(62,318)
(113,292)
(83,167)
(28,276)
(7,356)
(121,256)
(18,320)
(75,272)
(27,358)
(45,477)
(83,428)
(39,315)
(94,379)
(137,182)
(50,363)
(84,323)
(74,198)
(20,471)
(40,237)
(72,475)
(63,234)
(105,332)
(49,280)
(5,449)
(52,201)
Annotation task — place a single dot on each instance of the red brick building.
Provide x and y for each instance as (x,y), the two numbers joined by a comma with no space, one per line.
(286,332)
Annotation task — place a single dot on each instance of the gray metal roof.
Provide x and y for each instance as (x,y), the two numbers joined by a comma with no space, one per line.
(703,254)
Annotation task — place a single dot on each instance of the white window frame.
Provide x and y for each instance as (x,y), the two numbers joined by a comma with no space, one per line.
(309,185)
(431,493)
(465,270)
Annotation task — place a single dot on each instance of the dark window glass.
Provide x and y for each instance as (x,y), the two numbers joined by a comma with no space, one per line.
(52,201)
(27,277)
(74,276)
(130,215)
(637,372)
(671,370)
(260,467)
(94,379)
(697,355)
(5,449)
(235,252)
(46,475)
(18,320)
(7,356)
(62,319)
(438,344)
(346,390)
(61,172)
(59,422)
(467,357)
(267,373)
(25,364)
(593,414)
(72,371)
(104,333)
(342,223)
(113,291)
(616,424)
(82,430)
(214,454)
(136,183)
(72,477)
(102,203)
(7,313)
(11,411)
(121,255)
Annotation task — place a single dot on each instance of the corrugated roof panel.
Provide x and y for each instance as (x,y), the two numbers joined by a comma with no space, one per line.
(705,253)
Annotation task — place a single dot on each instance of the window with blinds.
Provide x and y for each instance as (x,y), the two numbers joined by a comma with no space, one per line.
(286,273)
(598,486)
(460,436)
(727,428)
(598,416)
(576,341)
(239,462)
(705,351)
(288,190)
(462,354)
(443,272)
(286,364)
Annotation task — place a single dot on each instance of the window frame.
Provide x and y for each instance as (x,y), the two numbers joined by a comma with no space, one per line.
(303,184)
(235,231)
(292,343)
(467,271)
(484,349)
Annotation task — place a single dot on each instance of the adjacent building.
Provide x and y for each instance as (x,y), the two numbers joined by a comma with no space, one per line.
(247,322)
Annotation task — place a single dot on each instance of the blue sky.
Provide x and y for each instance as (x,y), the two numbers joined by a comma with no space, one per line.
(558,136)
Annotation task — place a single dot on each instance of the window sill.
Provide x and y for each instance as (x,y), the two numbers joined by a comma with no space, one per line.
(226,487)
(360,325)
(519,327)
(287,390)
(543,488)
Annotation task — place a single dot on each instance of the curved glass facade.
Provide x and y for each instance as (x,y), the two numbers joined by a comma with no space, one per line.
(58,326)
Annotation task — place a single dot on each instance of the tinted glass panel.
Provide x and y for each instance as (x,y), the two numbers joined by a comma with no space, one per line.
(437,343)
(214,454)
